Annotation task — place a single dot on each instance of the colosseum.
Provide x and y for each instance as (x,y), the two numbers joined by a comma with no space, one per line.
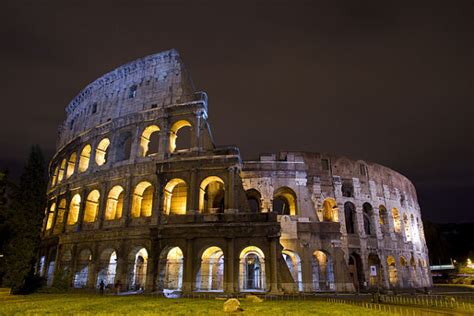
(142,199)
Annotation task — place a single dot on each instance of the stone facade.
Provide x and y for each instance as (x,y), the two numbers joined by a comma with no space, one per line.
(132,205)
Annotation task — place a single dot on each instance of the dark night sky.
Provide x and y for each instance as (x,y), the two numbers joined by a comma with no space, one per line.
(374,80)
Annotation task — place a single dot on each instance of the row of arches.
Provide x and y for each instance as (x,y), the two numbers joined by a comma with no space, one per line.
(149,146)
(175,195)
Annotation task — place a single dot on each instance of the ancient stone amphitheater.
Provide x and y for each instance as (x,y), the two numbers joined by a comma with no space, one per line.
(141,198)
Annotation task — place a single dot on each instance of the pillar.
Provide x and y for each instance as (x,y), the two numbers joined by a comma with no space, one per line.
(273,267)
(229,260)
(188,267)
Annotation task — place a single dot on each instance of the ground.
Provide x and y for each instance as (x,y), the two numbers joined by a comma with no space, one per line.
(140,304)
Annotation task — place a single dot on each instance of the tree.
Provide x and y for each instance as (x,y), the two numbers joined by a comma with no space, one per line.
(25,221)
(5,232)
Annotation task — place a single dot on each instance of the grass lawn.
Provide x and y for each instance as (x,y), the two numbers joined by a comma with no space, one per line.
(86,304)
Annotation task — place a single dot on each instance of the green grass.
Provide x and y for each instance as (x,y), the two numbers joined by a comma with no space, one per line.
(89,304)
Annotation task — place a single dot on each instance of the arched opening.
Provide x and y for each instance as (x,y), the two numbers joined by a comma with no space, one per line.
(124,146)
(383,219)
(178,129)
(175,197)
(356,271)
(41,264)
(396,221)
(74,207)
(139,260)
(84,158)
(252,269)
(50,217)
(350,217)
(406,225)
(101,152)
(284,201)
(54,178)
(142,200)
(66,261)
(114,207)
(81,276)
(171,262)
(323,271)
(330,210)
(254,199)
(60,214)
(150,140)
(51,269)
(347,189)
(62,170)
(211,273)
(92,207)
(71,165)
(392,271)
(293,261)
(375,275)
(211,195)
(369,229)
(107,268)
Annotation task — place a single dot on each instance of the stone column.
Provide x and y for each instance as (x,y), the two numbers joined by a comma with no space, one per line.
(82,206)
(102,204)
(230,201)
(196,133)
(66,211)
(193,190)
(127,203)
(229,266)
(273,267)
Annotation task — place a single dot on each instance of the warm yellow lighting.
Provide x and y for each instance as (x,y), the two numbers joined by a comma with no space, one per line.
(113,209)
(145,139)
(142,200)
(101,151)
(49,222)
(85,158)
(174,132)
(92,206)
(175,195)
(204,186)
(330,210)
(74,210)
(71,164)
(289,196)
(396,220)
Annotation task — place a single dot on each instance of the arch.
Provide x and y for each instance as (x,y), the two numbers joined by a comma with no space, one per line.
(293,261)
(74,207)
(254,199)
(71,165)
(174,132)
(62,170)
(54,179)
(107,268)
(175,197)
(61,212)
(142,203)
(330,210)
(252,269)
(356,271)
(41,265)
(406,226)
(284,201)
(375,273)
(171,275)
(124,146)
(101,152)
(114,206)
(211,195)
(396,221)
(51,268)
(350,217)
(367,212)
(81,275)
(148,133)
(383,219)
(211,272)
(92,206)
(84,158)
(50,217)
(138,269)
(392,271)
(323,271)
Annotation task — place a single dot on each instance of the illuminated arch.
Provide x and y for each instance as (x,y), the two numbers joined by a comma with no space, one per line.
(396,220)
(142,203)
(406,226)
(284,201)
(175,195)
(101,153)
(145,140)
(107,267)
(392,271)
(323,271)
(74,207)
(81,275)
(61,212)
(211,195)
(50,218)
(54,179)
(139,268)
(252,269)
(71,165)
(114,207)
(293,261)
(330,210)
(211,273)
(174,132)
(171,272)
(62,170)
(92,206)
(85,158)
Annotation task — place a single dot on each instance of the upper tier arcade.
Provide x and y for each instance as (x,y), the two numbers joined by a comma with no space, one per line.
(155,81)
